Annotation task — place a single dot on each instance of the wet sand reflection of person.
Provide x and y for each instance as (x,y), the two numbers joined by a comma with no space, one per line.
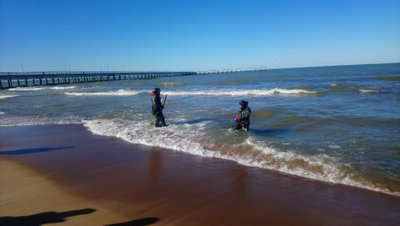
(239,180)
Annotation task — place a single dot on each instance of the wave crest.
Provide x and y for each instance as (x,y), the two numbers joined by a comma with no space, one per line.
(41,88)
(105,93)
(240,92)
(7,96)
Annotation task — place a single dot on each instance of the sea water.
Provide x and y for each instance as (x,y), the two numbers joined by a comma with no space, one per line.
(334,124)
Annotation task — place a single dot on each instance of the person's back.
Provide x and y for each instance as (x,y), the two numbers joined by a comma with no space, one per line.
(242,119)
(156,108)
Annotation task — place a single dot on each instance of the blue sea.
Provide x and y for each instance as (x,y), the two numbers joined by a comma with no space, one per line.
(337,124)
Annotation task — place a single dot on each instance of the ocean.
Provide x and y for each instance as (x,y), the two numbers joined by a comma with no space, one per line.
(338,124)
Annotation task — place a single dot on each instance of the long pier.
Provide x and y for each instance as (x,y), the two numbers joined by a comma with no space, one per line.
(24,79)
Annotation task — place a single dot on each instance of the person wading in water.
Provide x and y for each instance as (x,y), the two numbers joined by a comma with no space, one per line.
(242,119)
(157,107)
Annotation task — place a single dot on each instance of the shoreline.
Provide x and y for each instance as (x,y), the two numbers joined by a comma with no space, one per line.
(130,181)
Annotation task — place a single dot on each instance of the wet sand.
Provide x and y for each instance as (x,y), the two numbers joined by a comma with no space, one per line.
(63,173)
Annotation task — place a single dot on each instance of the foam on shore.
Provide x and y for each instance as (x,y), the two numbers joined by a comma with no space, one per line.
(191,138)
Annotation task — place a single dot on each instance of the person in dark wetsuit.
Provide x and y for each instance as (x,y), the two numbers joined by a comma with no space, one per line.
(156,108)
(242,119)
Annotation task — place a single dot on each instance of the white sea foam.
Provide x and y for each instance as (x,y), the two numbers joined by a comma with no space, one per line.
(7,96)
(42,88)
(105,93)
(240,92)
(190,138)
(216,92)
(63,87)
(170,84)
(370,91)
(27,89)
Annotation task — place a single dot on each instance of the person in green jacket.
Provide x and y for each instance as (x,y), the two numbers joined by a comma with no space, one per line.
(156,108)
(242,119)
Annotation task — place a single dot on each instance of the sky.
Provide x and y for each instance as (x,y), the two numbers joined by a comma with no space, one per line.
(195,35)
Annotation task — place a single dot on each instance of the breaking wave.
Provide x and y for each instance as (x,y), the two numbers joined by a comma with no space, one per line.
(42,88)
(63,87)
(240,92)
(192,139)
(105,93)
(216,92)
(7,96)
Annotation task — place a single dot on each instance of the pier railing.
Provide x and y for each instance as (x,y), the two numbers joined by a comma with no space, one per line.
(23,79)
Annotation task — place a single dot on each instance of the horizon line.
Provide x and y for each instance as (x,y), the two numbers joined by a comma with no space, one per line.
(202,71)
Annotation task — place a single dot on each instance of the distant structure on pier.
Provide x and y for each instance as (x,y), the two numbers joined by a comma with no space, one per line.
(231,71)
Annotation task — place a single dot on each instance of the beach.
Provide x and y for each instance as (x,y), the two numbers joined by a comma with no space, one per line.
(66,175)
(340,125)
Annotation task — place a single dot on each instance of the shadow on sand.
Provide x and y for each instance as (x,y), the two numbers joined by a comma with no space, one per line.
(32,150)
(137,222)
(43,218)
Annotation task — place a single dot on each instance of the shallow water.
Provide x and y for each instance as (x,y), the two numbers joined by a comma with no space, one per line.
(333,124)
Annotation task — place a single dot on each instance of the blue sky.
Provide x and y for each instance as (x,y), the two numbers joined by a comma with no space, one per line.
(38,35)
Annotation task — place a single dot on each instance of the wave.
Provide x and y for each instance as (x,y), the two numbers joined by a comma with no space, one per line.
(7,96)
(42,88)
(192,139)
(371,91)
(170,84)
(240,92)
(221,92)
(358,88)
(63,87)
(343,88)
(106,93)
